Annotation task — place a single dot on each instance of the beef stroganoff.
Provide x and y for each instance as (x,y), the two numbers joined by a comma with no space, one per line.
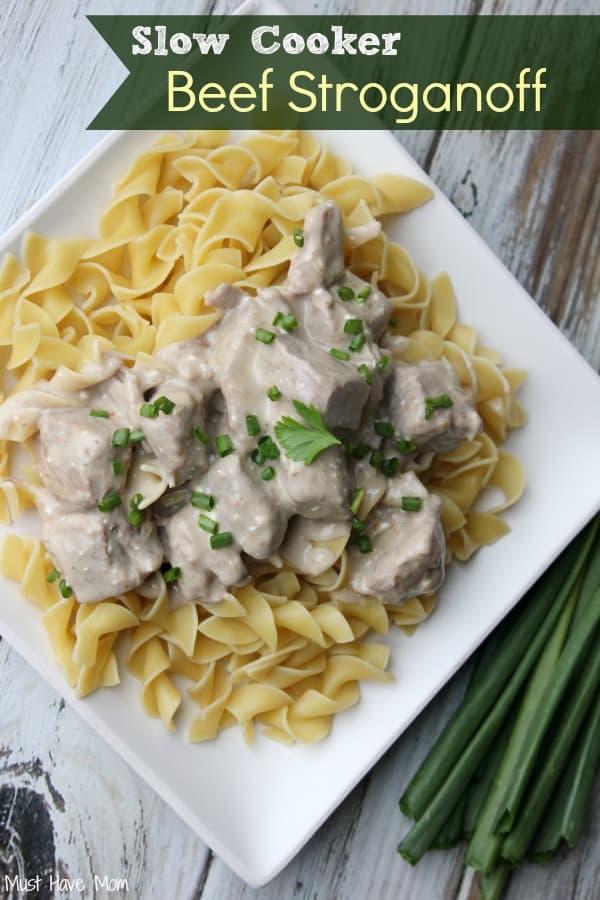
(257,433)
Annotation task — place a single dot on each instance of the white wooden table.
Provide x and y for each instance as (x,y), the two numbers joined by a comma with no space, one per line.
(65,797)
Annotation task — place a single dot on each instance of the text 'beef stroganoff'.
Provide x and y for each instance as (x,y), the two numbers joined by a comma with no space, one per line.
(247,499)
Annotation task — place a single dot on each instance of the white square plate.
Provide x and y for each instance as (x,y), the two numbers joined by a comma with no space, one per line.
(257,806)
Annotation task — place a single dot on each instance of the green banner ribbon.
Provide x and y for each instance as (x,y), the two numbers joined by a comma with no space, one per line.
(354,72)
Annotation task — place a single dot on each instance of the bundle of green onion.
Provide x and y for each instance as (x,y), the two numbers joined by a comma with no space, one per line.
(514,767)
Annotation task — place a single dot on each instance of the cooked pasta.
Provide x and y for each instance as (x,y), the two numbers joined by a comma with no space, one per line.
(285,652)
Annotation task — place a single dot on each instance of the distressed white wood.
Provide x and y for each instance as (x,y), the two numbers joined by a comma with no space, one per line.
(530,197)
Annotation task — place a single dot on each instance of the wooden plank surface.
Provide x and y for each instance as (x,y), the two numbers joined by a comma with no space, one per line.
(65,798)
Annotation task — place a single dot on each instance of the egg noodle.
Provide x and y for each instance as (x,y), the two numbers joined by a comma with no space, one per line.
(285,652)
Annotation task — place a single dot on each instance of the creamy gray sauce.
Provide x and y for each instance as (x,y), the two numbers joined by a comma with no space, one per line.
(189,504)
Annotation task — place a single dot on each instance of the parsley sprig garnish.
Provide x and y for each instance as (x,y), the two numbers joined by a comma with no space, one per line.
(303,443)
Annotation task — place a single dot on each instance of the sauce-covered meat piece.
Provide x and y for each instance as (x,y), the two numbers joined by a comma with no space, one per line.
(408,546)
(206,573)
(428,406)
(100,554)
(76,455)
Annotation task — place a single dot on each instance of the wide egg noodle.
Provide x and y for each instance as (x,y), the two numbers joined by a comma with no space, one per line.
(286,652)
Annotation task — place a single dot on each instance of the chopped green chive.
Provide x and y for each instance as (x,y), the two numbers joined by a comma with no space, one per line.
(346,294)
(433,403)
(223,444)
(404,446)
(223,539)
(54,574)
(339,354)
(390,466)
(120,437)
(298,237)
(277,319)
(135,501)
(383,363)
(65,589)
(274,393)
(383,429)
(364,544)
(252,425)
(357,500)
(202,501)
(99,413)
(365,373)
(136,436)
(353,326)
(376,458)
(200,435)
(207,524)
(172,574)
(109,501)
(135,517)
(411,504)
(268,474)
(357,523)
(360,451)
(268,449)
(289,322)
(264,336)
(164,405)
(118,467)
(148,410)
(363,294)
(357,343)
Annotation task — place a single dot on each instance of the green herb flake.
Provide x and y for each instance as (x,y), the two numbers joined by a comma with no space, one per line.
(339,354)
(164,405)
(411,504)
(357,500)
(304,442)
(268,474)
(118,467)
(444,401)
(365,373)
(99,413)
(361,450)
(223,445)
(376,459)
(148,411)
(274,393)
(200,500)
(264,336)
(353,326)
(207,524)
(52,577)
(299,237)
(65,589)
(277,319)
(345,293)
(364,543)
(404,446)
(363,294)
(252,425)
(223,539)
(383,363)
(135,517)
(289,322)
(357,343)
(383,429)
(390,466)
(200,435)
(109,501)
(173,573)
(136,436)
(120,437)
